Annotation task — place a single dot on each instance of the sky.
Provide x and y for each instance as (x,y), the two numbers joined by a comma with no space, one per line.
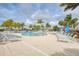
(29,12)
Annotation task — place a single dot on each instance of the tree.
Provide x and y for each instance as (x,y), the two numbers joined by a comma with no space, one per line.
(15,24)
(40,21)
(48,25)
(22,25)
(37,27)
(68,19)
(39,24)
(75,22)
(61,23)
(18,25)
(71,6)
(71,21)
(56,28)
(30,26)
(8,23)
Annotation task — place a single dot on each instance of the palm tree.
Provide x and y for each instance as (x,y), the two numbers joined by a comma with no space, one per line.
(40,21)
(68,19)
(75,22)
(71,6)
(17,25)
(22,25)
(37,27)
(30,26)
(48,25)
(14,25)
(61,23)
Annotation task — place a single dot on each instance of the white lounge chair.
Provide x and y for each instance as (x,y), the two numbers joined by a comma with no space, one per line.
(3,38)
(9,37)
(61,37)
(12,37)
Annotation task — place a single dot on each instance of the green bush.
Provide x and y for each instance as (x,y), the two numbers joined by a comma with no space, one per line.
(56,28)
(36,27)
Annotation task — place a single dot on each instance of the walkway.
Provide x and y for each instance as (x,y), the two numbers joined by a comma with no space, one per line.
(39,46)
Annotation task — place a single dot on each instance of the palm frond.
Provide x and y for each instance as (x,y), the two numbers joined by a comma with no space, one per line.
(68,6)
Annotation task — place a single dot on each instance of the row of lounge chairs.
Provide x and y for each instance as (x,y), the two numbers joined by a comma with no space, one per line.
(62,36)
(4,37)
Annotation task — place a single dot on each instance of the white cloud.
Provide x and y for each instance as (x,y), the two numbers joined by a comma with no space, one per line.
(56,16)
(26,9)
(28,21)
(44,14)
(53,23)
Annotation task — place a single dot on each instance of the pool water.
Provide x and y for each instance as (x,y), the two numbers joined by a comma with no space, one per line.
(29,33)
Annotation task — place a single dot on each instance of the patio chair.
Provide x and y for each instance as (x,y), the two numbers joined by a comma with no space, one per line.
(8,37)
(12,37)
(3,38)
(61,37)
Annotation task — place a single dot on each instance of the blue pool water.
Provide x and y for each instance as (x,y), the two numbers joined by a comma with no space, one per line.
(29,33)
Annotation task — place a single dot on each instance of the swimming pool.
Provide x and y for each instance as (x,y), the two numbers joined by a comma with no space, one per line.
(30,33)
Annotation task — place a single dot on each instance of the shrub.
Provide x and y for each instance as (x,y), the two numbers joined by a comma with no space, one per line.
(56,28)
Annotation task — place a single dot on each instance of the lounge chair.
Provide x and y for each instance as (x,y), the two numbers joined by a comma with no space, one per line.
(9,37)
(12,37)
(3,38)
(62,37)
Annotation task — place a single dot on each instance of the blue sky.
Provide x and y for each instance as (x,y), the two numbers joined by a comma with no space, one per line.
(28,12)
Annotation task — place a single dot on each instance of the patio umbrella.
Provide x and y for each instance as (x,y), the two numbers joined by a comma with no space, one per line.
(67,29)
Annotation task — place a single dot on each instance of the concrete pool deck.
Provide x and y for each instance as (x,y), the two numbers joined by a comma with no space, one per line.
(46,45)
